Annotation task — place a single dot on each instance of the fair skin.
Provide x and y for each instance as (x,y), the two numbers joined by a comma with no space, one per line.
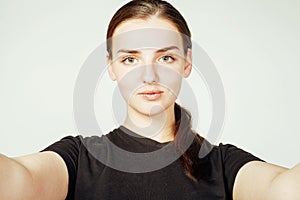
(141,70)
(44,175)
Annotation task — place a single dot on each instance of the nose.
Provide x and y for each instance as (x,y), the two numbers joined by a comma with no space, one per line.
(149,74)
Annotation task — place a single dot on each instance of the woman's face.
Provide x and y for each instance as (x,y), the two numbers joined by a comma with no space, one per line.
(148,62)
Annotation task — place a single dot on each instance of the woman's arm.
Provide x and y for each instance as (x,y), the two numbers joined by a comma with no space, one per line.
(37,176)
(259,180)
(286,185)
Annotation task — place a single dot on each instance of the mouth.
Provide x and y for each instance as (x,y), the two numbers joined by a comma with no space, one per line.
(151,95)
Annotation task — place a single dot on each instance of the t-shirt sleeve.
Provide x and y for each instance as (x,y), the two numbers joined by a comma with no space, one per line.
(68,149)
(233,159)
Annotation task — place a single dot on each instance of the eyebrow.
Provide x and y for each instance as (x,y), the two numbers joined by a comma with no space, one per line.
(158,51)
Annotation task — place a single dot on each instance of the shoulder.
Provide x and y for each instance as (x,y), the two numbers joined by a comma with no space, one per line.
(226,160)
(232,157)
(230,152)
(74,143)
(228,156)
(73,148)
(78,151)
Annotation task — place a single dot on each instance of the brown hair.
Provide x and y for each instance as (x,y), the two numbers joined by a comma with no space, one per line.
(143,9)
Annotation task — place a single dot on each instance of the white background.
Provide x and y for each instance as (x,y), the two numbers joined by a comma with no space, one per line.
(254,44)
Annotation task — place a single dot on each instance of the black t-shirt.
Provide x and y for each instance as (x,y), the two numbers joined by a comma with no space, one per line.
(93,173)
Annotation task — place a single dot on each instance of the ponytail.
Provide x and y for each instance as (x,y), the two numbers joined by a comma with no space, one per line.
(185,135)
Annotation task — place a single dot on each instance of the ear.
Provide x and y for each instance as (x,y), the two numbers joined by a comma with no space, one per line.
(110,68)
(188,63)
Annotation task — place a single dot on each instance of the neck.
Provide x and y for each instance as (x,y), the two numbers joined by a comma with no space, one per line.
(159,127)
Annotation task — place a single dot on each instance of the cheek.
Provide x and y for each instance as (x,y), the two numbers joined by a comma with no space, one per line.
(129,81)
(170,78)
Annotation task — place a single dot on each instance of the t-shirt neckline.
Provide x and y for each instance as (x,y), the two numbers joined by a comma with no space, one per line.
(126,131)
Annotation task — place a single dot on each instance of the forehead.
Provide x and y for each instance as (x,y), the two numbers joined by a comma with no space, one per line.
(150,33)
(151,22)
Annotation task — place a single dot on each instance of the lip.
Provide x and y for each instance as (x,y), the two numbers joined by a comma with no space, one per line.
(151,95)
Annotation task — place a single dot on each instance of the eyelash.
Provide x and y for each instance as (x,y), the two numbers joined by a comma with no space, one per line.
(168,56)
(125,59)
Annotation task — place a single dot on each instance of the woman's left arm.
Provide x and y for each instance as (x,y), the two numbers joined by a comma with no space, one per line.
(263,181)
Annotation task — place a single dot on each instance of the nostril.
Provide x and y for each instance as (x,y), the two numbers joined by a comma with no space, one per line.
(150,75)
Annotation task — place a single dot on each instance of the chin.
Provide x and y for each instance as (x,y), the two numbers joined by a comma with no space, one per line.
(152,110)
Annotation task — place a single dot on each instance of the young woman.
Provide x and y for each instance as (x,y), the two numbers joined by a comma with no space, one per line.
(149,52)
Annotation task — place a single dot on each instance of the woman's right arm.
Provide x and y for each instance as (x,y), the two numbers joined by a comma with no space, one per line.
(38,176)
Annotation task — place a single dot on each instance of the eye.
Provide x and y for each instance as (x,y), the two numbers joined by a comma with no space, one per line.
(129,60)
(166,59)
